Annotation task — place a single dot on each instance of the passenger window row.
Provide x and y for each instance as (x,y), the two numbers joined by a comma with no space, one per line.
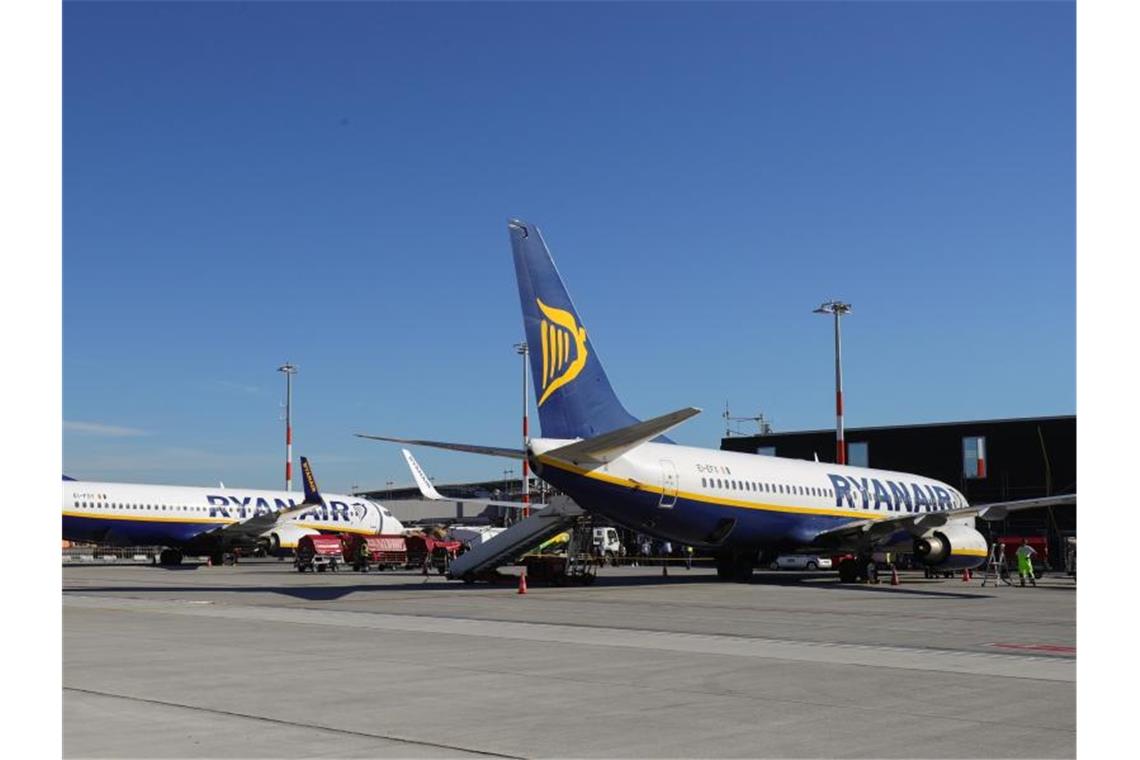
(727,484)
(146,507)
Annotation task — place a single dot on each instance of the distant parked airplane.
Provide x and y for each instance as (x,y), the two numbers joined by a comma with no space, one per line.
(211,521)
(746,508)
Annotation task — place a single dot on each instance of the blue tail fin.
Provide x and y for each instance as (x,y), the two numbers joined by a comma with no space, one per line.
(312,493)
(574,396)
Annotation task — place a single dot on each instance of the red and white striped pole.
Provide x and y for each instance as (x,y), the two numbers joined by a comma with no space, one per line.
(523,350)
(838,309)
(289,371)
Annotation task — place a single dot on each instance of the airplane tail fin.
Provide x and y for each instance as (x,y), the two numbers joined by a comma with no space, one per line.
(575,399)
(312,493)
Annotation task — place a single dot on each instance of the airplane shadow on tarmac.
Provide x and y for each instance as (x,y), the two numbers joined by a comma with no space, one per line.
(332,592)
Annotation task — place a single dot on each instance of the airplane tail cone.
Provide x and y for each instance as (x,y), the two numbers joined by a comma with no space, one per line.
(894,576)
(522,583)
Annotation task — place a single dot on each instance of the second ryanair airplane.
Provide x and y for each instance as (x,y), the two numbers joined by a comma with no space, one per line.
(743,507)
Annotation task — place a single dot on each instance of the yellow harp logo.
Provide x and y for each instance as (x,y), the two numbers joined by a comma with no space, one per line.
(561,338)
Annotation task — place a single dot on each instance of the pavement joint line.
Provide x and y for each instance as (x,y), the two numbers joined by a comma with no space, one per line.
(1046,668)
(292,724)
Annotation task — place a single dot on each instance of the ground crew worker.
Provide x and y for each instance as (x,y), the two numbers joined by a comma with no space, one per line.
(872,572)
(1025,554)
(364,557)
(688,558)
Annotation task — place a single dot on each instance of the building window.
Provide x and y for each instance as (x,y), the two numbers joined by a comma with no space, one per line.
(766,451)
(974,457)
(857,454)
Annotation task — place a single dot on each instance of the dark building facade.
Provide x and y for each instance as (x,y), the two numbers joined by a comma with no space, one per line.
(987,460)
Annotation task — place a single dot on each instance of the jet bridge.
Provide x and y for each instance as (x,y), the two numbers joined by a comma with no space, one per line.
(554,518)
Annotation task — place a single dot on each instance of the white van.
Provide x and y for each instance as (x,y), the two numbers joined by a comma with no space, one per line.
(801,562)
(606,544)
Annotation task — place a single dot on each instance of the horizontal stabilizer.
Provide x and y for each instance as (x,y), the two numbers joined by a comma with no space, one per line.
(609,446)
(493,451)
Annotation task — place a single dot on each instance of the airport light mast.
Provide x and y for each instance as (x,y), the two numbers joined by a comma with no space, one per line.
(289,371)
(838,309)
(523,350)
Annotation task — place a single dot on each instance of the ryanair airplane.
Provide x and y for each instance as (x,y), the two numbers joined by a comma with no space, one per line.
(745,508)
(211,521)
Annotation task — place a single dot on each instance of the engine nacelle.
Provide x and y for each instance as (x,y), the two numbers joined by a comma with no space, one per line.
(285,537)
(952,547)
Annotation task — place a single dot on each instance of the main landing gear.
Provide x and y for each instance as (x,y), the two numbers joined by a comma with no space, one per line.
(853,569)
(735,566)
(170,558)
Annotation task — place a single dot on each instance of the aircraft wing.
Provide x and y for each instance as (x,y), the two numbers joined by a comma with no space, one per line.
(871,531)
(470,448)
(429,492)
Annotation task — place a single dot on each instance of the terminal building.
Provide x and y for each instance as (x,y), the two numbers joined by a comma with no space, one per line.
(987,460)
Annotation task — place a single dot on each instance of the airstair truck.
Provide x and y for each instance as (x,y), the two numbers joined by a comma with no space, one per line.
(481,561)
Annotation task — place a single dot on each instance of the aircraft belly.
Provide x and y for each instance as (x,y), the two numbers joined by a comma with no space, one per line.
(130,532)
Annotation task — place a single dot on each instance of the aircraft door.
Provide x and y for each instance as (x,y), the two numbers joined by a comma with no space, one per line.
(668,485)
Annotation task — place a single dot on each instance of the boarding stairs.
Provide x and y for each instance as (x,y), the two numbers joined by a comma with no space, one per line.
(557,516)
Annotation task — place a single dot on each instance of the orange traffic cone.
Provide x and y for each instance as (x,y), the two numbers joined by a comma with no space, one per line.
(894,576)
(522,583)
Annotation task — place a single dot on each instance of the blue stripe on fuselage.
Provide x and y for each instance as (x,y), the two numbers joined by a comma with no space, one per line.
(130,532)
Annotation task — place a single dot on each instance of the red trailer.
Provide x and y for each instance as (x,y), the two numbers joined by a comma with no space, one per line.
(427,550)
(318,553)
(380,552)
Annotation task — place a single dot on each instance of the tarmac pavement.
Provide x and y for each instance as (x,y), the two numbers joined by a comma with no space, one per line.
(257,660)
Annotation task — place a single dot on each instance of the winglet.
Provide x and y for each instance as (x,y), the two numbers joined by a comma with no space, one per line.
(312,493)
(426,488)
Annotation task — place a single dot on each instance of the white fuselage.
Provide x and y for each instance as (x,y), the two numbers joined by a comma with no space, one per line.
(683,492)
(128,513)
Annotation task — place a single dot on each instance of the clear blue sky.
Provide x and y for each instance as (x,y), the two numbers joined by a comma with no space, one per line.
(330,184)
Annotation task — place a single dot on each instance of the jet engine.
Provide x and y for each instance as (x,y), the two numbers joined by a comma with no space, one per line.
(285,537)
(951,547)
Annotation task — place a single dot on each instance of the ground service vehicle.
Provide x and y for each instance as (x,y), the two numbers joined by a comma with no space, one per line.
(431,551)
(318,553)
(375,552)
(801,562)
(606,545)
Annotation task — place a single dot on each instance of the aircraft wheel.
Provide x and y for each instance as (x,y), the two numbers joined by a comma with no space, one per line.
(724,567)
(742,569)
(170,557)
(848,571)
